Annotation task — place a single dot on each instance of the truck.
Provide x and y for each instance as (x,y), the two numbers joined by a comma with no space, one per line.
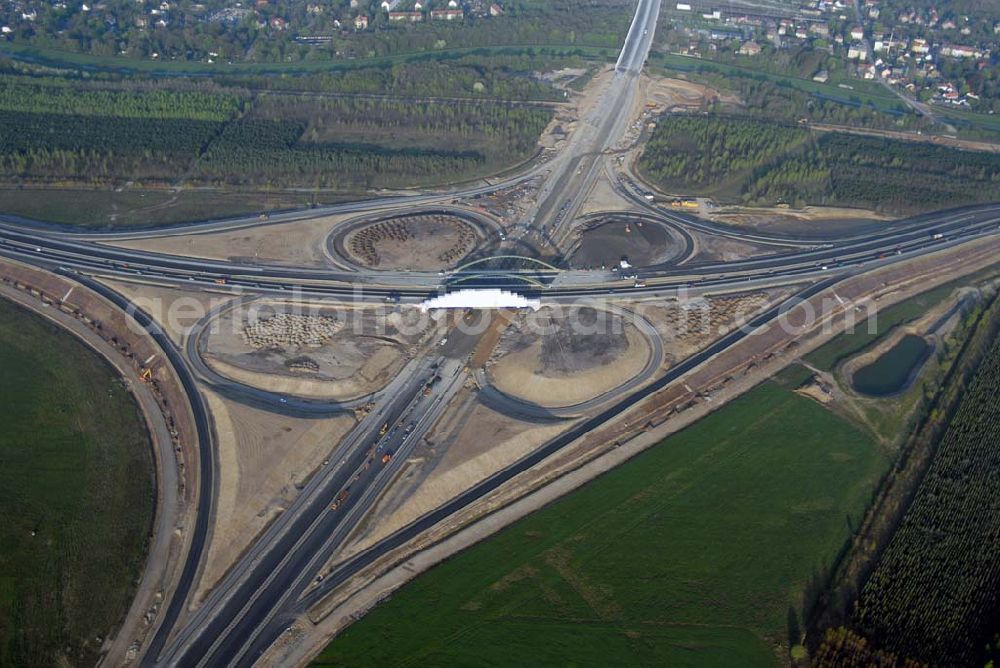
(386,458)
(383,430)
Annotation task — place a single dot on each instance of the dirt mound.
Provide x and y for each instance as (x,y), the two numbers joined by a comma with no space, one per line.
(344,352)
(289,329)
(569,349)
(644,243)
(558,358)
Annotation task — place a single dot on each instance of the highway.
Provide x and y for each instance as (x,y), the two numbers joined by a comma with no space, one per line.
(165,622)
(279,574)
(922,234)
(322,516)
(576,168)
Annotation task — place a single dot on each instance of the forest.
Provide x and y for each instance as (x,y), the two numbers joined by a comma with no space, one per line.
(933,597)
(756,162)
(495,76)
(362,142)
(104,133)
(58,96)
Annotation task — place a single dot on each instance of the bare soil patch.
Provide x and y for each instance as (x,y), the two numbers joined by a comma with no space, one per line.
(559,359)
(644,243)
(313,350)
(298,244)
(264,459)
(815,221)
(713,248)
(422,242)
(672,94)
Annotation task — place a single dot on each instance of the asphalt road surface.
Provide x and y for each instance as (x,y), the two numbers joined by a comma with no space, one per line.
(277,576)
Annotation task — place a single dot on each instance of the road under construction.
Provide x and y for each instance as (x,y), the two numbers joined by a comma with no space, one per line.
(286,569)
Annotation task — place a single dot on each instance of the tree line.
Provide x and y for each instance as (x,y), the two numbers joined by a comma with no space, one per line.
(762,163)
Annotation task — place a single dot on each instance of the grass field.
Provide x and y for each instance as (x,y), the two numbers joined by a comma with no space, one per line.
(91,63)
(696,552)
(76,495)
(862,92)
(859,91)
(868,332)
(96,209)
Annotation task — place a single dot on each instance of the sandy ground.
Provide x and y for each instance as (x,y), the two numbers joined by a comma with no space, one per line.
(567,116)
(520,373)
(300,243)
(361,357)
(370,378)
(810,219)
(263,460)
(175,310)
(712,248)
(602,197)
(667,93)
(469,458)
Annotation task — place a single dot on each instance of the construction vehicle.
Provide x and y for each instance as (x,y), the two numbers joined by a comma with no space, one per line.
(339,500)
(220,281)
(383,430)
(146,375)
(386,458)
(430,384)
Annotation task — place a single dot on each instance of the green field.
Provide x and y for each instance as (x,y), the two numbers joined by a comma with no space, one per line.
(840,90)
(76,495)
(868,332)
(96,209)
(697,552)
(58,59)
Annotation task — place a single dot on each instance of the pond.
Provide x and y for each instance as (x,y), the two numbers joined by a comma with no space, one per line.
(895,369)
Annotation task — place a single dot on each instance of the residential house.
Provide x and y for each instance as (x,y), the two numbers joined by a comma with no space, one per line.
(857,52)
(447,14)
(408,17)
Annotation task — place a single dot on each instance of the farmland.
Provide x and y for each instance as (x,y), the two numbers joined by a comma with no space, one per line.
(76,495)
(758,162)
(693,553)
